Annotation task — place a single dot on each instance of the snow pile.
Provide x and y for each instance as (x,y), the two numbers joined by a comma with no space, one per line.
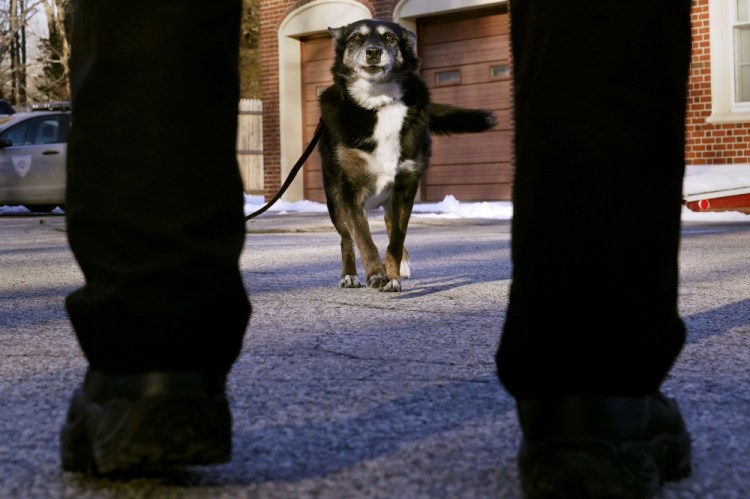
(703,181)
(449,207)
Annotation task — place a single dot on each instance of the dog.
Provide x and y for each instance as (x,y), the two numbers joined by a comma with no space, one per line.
(376,143)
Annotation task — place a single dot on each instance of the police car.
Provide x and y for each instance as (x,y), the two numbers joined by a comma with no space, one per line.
(32,157)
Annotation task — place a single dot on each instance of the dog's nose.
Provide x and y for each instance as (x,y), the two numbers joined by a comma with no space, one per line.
(373,55)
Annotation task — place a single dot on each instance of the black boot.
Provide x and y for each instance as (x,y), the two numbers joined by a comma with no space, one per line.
(146,423)
(579,447)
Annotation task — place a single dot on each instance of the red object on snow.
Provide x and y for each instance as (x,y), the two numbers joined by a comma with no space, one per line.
(735,202)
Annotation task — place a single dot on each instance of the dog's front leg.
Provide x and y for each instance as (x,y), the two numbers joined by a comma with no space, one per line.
(339,218)
(405,268)
(375,272)
(397,220)
(349,277)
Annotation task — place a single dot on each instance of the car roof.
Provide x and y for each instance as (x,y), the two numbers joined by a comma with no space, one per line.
(13,119)
(6,107)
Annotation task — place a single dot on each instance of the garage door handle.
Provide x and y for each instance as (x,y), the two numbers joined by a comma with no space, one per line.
(50,153)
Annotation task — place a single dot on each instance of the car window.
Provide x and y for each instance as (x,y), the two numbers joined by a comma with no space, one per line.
(16,134)
(45,130)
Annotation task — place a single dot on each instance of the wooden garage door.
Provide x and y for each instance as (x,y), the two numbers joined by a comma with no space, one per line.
(465,61)
(317,59)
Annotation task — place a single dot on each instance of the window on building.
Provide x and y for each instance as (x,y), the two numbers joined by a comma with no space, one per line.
(729,30)
(451,77)
(501,71)
(741,30)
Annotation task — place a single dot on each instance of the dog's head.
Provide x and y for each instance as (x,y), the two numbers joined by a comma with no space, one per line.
(373,50)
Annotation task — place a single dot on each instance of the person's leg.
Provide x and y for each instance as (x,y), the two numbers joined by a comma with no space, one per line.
(154,202)
(592,326)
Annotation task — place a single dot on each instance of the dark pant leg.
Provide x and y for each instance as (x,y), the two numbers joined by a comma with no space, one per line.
(600,92)
(154,201)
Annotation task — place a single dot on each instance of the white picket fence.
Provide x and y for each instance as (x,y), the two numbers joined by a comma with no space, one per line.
(250,144)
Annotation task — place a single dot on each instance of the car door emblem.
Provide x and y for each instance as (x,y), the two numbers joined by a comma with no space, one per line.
(22,164)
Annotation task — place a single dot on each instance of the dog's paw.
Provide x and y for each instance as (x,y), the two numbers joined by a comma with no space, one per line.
(405,269)
(377,281)
(393,286)
(350,281)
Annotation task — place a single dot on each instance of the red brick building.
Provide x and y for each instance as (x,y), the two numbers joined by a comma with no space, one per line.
(465,61)
(464,46)
(718,120)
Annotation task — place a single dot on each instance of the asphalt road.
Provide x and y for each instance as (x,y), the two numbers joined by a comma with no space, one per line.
(359,394)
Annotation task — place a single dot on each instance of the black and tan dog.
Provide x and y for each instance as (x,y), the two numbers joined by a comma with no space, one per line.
(376,145)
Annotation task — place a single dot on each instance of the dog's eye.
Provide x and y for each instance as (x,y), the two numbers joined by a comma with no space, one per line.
(358,38)
(389,38)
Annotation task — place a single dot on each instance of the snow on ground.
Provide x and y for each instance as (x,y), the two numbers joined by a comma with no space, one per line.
(449,207)
(710,180)
(698,179)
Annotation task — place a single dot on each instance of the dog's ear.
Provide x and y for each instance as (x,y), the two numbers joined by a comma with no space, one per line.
(337,33)
(410,39)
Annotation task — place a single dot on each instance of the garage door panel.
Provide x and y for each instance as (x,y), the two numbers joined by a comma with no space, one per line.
(447,29)
(315,194)
(485,147)
(313,178)
(318,49)
(313,161)
(316,181)
(477,174)
(317,58)
(470,74)
(461,53)
(311,105)
(310,127)
(312,115)
(317,74)
(472,166)
(311,92)
(483,96)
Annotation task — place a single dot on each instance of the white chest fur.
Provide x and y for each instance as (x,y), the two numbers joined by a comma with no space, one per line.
(384,162)
(387,136)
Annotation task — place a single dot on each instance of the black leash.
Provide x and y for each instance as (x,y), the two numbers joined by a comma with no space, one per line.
(295,169)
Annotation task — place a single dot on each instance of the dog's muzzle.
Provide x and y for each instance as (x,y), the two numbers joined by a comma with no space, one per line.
(373,55)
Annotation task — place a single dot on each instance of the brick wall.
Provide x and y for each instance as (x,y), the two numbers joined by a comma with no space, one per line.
(271,14)
(382,9)
(709,143)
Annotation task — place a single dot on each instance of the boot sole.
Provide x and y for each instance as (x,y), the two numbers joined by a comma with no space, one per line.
(597,469)
(152,435)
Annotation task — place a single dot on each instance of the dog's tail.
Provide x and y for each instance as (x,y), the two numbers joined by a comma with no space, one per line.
(447,120)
